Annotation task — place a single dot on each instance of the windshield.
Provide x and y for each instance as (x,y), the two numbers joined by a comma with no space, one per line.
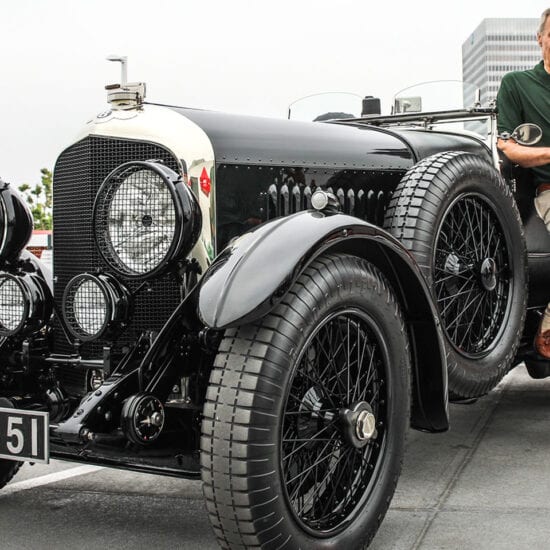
(325,106)
(443,95)
(435,95)
(425,97)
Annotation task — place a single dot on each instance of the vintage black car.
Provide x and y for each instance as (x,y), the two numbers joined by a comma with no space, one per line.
(266,304)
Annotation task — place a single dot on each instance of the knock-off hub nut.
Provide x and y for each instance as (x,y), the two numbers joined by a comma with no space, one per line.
(365,426)
(358,424)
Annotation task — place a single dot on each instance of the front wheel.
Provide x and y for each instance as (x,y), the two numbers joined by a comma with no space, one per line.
(8,468)
(306,414)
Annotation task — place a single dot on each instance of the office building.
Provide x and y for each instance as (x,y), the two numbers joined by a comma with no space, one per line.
(496,47)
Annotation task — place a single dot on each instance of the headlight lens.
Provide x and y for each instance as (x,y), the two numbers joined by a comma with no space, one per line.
(90,307)
(94,305)
(142,221)
(25,304)
(16,222)
(13,306)
(144,217)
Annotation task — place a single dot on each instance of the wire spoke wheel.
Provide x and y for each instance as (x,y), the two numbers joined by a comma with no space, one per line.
(471,274)
(459,219)
(304,424)
(326,467)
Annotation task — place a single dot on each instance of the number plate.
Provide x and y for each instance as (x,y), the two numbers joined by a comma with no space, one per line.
(24,435)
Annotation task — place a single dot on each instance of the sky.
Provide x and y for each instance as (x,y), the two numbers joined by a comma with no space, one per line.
(241,56)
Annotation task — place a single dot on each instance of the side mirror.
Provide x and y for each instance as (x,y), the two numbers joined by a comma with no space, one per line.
(527,134)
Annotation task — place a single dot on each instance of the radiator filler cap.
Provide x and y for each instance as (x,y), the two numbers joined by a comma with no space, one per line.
(126,95)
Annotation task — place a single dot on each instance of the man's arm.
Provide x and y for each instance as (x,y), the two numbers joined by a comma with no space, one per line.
(510,116)
(525,156)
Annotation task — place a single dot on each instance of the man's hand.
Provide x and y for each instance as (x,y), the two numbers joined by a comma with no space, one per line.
(525,156)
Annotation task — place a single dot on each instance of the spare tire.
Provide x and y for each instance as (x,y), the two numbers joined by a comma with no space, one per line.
(458,218)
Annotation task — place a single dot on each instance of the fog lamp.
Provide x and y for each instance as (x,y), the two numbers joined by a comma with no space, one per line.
(94,306)
(25,304)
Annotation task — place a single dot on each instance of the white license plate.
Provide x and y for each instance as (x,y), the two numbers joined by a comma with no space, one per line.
(24,435)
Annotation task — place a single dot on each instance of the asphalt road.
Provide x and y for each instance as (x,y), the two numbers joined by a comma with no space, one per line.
(485,484)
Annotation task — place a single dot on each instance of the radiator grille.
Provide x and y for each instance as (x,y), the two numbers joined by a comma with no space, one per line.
(79,172)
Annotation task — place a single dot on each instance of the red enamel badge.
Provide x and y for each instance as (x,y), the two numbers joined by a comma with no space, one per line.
(205,182)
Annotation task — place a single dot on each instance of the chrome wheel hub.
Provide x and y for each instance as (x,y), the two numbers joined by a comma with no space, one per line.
(488,274)
(358,424)
(365,426)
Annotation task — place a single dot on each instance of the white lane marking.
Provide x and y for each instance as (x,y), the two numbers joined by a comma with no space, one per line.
(48,478)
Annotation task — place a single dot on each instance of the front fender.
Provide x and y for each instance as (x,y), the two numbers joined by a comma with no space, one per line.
(252,275)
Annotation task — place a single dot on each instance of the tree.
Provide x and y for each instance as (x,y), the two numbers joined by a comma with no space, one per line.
(39,199)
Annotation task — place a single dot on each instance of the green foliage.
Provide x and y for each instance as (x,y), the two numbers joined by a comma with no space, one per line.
(39,199)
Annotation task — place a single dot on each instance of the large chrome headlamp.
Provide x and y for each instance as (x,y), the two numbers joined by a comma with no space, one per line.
(94,306)
(145,217)
(15,222)
(25,304)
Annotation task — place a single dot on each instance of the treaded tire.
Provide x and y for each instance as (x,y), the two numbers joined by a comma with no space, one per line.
(8,468)
(459,219)
(258,385)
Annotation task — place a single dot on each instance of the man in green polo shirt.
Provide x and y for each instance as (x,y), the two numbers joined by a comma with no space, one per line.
(524,96)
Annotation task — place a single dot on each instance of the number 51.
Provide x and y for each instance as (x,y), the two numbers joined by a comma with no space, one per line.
(16,433)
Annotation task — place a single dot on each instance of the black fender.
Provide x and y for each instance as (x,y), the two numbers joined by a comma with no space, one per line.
(252,275)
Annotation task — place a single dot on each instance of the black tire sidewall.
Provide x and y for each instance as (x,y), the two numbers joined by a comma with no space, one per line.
(466,174)
(354,293)
(8,468)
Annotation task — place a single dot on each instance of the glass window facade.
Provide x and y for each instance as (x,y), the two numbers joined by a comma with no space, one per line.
(496,47)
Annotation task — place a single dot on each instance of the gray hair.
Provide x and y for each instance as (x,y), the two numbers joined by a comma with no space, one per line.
(543,17)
